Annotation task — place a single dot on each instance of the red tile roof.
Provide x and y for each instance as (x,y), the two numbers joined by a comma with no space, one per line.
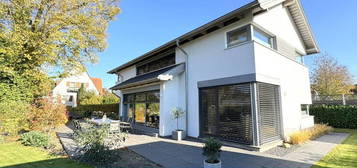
(98,84)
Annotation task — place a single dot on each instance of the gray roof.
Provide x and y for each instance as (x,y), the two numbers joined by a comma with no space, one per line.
(294,7)
(147,78)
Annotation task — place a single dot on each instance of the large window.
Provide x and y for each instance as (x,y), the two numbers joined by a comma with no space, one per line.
(238,36)
(263,37)
(143,107)
(226,113)
(156,64)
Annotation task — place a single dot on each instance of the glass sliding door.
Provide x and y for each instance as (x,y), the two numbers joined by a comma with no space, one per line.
(144,107)
(226,113)
(140,110)
(153,112)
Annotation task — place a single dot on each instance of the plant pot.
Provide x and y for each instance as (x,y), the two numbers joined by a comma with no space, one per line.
(212,165)
(178,135)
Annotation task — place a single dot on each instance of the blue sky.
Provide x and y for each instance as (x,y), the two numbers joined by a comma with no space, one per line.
(143,26)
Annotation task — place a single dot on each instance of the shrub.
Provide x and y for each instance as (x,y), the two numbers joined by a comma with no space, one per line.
(85,111)
(212,150)
(35,138)
(13,117)
(309,134)
(337,116)
(46,115)
(95,149)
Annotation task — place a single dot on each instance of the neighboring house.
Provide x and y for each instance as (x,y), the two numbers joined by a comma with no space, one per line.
(354,90)
(66,89)
(239,78)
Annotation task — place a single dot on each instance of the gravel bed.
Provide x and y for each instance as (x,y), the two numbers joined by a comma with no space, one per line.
(281,151)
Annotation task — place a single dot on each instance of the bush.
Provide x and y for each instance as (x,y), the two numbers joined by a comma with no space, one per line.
(35,138)
(85,111)
(212,150)
(337,116)
(13,117)
(46,115)
(95,147)
(309,134)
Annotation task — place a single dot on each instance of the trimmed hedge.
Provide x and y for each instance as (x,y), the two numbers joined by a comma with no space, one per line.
(85,111)
(337,116)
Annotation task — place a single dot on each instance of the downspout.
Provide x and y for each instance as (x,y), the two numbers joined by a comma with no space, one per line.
(186,83)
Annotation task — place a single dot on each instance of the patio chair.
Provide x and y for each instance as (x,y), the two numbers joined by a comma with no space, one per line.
(77,125)
(127,125)
(114,127)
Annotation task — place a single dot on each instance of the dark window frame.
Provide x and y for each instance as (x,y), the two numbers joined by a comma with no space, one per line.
(202,117)
(156,64)
(245,29)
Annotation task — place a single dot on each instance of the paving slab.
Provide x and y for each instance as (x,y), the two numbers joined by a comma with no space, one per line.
(188,153)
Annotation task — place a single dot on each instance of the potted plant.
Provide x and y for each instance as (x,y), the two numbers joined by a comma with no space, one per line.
(178,134)
(212,151)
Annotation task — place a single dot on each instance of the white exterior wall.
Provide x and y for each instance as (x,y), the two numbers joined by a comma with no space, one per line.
(294,84)
(279,22)
(209,59)
(61,88)
(172,95)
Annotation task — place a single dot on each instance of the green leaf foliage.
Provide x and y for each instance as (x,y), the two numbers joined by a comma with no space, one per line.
(35,138)
(337,116)
(13,117)
(85,111)
(38,37)
(212,150)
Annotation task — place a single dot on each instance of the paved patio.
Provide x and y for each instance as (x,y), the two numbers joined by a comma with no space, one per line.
(188,153)
(174,154)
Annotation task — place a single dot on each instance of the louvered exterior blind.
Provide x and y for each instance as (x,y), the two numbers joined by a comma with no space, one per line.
(226,112)
(268,112)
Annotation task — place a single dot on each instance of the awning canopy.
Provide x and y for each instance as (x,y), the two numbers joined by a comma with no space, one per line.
(160,75)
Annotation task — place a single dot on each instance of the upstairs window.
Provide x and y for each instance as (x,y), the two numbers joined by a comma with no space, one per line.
(238,36)
(263,38)
(299,58)
(156,64)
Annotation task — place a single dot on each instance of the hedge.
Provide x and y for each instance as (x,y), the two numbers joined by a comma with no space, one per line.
(85,111)
(337,116)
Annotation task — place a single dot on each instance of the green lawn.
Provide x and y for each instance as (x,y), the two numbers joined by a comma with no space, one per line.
(15,155)
(344,155)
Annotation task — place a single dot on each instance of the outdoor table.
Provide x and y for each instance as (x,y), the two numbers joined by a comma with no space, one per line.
(100,121)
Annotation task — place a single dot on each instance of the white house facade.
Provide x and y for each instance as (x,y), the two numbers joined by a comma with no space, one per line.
(66,89)
(240,78)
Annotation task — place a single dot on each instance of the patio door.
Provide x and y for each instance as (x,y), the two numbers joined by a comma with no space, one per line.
(140,110)
(143,108)
(226,113)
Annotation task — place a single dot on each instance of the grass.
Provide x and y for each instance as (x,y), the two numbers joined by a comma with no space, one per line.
(343,155)
(15,155)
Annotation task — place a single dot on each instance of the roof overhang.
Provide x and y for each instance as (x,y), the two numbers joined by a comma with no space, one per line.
(294,7)
(302,24)
(216,24)
(164,74)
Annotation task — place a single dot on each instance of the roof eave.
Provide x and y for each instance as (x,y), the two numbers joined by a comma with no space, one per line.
(302,24)
(196,31)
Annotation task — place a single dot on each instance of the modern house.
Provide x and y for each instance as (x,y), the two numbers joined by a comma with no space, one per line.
(66,89)
(240,77)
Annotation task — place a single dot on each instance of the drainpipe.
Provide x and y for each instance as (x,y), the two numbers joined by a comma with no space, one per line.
(186,82)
